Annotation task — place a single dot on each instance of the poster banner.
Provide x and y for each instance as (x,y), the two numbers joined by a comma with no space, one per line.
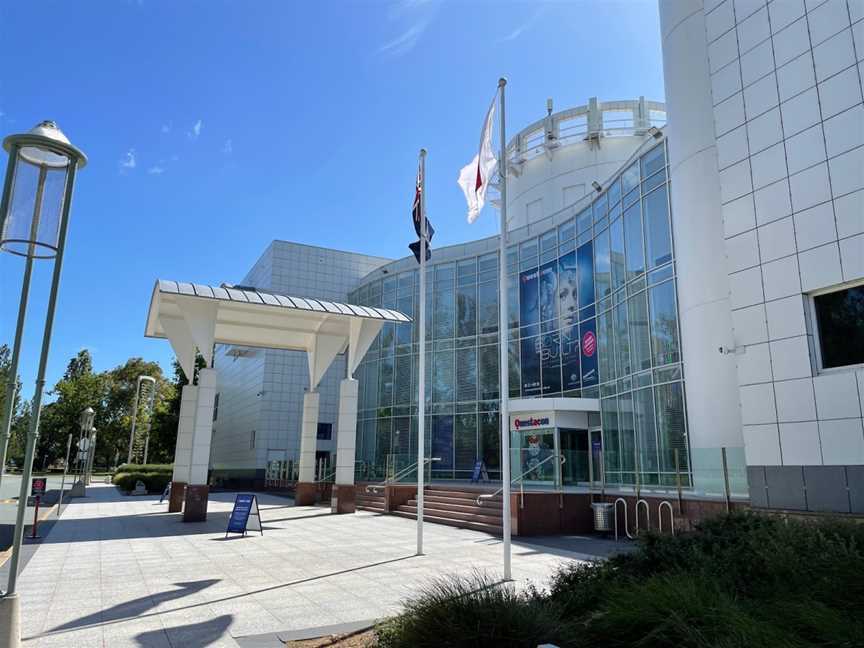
(585,261)
(530,356)
(529,303)
(549,297)
(550,358)
(568,289)
(588,348)
(570,344)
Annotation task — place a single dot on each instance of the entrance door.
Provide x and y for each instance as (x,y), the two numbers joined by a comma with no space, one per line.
(536,450)
(574,449)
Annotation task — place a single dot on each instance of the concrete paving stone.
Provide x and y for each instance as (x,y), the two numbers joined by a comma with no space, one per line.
(150,580)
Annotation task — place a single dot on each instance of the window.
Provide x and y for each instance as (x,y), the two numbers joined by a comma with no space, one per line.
(657,234)
(664,323)
(216,407)
(325,431)
(840,324)
(252,440)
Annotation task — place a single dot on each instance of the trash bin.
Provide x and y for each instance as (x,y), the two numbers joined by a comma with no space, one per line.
(603,516)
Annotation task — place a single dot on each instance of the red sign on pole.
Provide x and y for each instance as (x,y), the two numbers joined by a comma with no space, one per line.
(37,487)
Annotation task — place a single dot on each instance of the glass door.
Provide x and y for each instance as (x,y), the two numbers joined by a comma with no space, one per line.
(574,449)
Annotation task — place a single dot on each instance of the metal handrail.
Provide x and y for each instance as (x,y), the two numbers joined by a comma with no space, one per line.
(372,488)
(521,480)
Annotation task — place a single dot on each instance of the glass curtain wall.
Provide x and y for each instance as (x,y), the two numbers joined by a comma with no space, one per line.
(593,313)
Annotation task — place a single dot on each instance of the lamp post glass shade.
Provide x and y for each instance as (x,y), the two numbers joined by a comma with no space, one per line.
(41,164)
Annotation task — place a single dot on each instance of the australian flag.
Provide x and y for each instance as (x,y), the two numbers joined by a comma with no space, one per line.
(416,216)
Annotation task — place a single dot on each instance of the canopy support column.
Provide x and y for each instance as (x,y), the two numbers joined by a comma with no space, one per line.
(197,490)
(183,449)
(342,499)
(306,492)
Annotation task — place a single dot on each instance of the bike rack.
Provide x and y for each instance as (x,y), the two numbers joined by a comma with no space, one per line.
(626,530)
(660,516)
(647,515)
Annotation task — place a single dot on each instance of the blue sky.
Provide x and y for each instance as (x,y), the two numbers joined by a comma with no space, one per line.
(214,127)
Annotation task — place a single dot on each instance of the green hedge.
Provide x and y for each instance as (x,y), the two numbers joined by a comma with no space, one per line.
(154,481)
(149,468)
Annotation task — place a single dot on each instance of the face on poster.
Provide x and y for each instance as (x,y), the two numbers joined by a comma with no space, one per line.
(549,296)
(567,288)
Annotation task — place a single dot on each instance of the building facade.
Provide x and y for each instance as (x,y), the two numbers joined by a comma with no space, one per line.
(686,290)
(260,391)
(782,81)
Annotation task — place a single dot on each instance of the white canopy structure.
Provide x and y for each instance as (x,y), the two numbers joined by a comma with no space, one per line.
(195,317)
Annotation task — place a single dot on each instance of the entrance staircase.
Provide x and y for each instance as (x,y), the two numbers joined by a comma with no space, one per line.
(458,508)
(367,501)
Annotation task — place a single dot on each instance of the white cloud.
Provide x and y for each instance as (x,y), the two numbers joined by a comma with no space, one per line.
(166,128)
(404,43)
(128,161)
(521,29)
(156,170)
(414,16)
(228,148)
(196,130)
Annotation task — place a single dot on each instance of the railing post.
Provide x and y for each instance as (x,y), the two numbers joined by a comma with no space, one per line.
(726,479)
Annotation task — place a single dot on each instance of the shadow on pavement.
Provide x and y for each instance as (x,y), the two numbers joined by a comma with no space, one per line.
(137,607)
(192,635)
(141,607)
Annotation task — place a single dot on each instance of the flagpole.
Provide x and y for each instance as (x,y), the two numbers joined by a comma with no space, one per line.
(421,396)
(503,330)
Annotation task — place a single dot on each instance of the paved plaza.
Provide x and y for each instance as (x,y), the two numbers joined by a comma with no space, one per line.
(120,571)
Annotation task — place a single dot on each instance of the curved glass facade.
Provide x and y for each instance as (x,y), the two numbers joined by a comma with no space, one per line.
(592,313)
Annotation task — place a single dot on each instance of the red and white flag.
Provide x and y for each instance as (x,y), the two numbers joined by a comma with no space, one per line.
(476,176)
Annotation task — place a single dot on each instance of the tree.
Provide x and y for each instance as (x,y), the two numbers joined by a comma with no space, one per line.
(78,389)
(116,425)
(163,436)
(5,376)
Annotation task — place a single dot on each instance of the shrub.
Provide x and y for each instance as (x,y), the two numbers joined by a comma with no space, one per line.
(740,580)
(475,611)
(155,482)
(152,468)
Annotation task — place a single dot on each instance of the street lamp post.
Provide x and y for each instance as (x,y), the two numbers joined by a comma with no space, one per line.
(34,219)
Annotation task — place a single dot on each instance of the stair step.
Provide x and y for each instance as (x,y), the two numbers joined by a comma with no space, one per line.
(474,526)
(369,506)
(483,509)
(452,515)
(460,501)
(454,494)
